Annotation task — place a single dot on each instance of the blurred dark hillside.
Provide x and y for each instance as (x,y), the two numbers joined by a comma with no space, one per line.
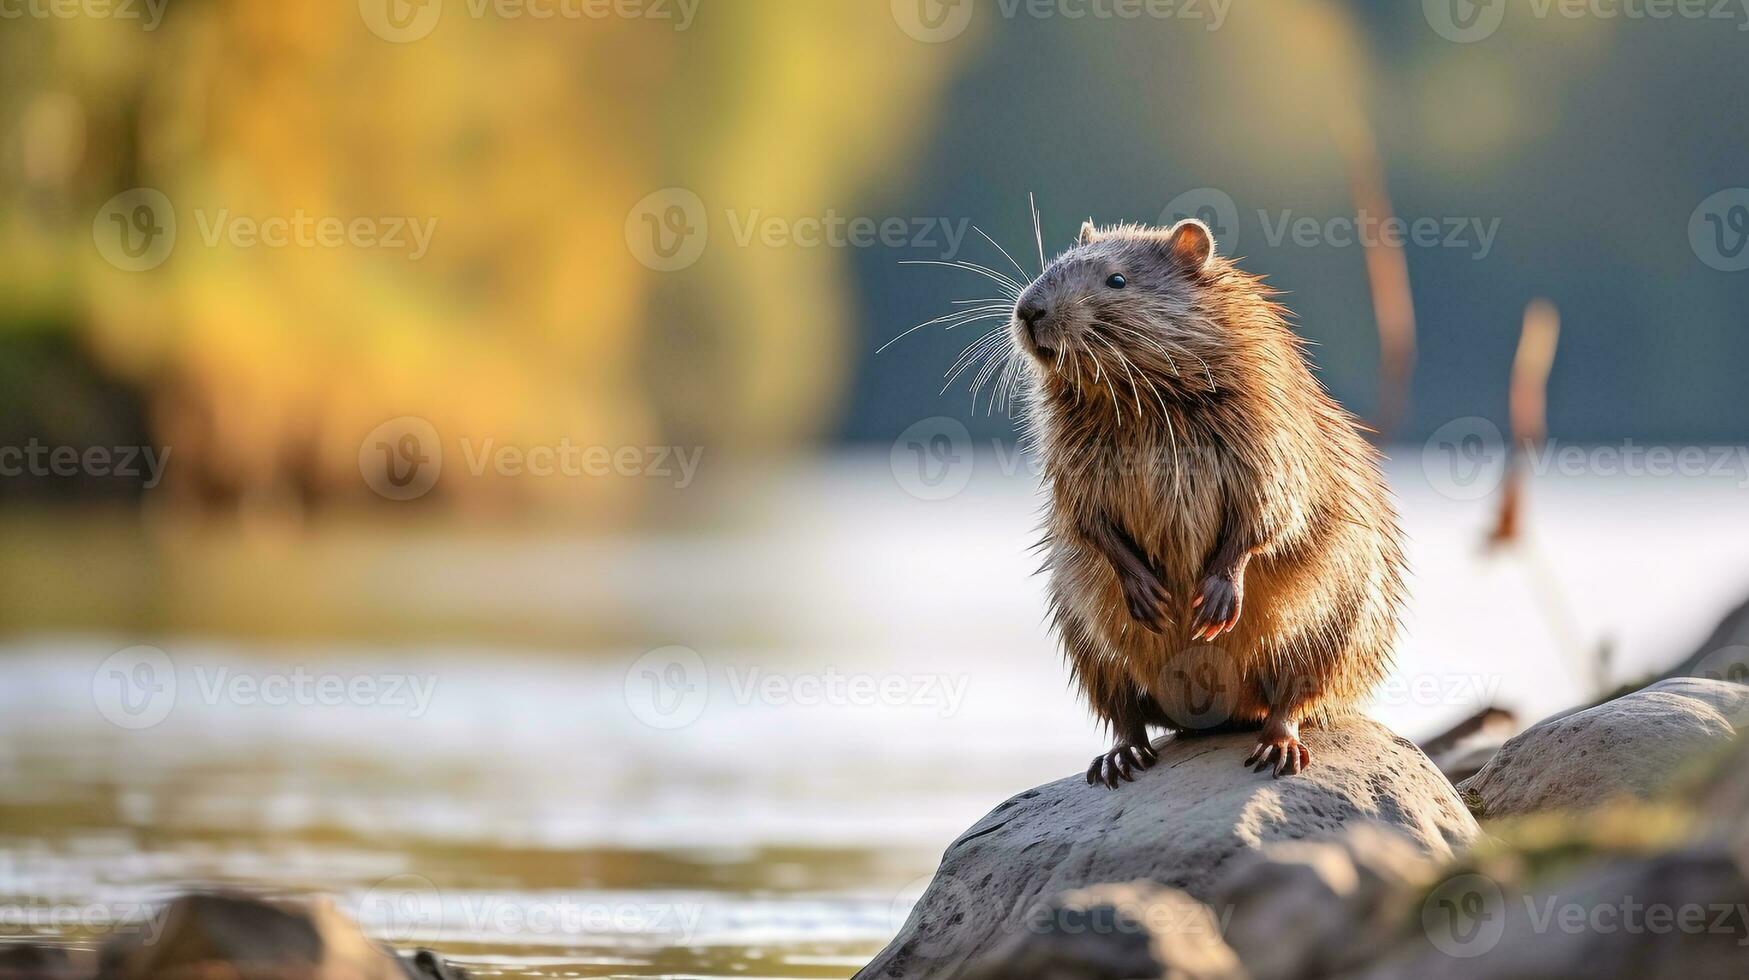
(1591,141)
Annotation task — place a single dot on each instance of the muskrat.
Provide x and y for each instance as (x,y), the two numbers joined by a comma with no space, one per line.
(1221,547)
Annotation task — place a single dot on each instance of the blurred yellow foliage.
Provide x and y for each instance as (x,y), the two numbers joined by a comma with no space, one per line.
(521,144)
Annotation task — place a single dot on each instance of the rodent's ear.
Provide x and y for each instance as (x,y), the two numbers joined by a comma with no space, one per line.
(1191,244)
(1089,234)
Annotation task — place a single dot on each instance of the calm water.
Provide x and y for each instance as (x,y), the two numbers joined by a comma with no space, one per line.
(754,771)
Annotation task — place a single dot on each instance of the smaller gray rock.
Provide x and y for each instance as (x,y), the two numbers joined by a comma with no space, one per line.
(1631,746)
(233,935)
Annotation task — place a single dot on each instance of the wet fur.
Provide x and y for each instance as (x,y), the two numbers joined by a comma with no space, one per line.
(1214,445)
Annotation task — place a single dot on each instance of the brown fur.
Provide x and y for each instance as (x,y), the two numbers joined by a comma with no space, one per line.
(1178,415)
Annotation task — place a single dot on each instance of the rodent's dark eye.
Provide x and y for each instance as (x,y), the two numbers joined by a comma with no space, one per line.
(1117,281)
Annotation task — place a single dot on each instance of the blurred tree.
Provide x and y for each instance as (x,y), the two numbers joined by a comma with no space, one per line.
(521,143)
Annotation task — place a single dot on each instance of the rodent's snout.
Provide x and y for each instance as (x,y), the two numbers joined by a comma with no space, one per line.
(1033,314)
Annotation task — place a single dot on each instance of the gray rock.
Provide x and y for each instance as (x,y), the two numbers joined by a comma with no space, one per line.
(1304,909)
(240,936)
(1631,746)
(1682,913)
(1116,932)
(1181,825)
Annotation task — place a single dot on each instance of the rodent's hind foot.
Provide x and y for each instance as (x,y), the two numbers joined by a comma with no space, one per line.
(1279,746)
(1122,763)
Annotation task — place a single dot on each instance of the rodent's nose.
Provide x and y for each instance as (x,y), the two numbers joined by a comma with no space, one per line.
(1030,312)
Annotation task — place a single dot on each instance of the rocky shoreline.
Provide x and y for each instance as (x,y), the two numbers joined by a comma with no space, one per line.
(1604,842)
(210,936)
(1607,841)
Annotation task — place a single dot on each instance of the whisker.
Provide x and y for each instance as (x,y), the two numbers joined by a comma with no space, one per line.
(1037,231)
(1099,371)
(1004,252)
(977,349)
(984,373)
(981,313)
(970,267)
(1124,363)
(1118,326)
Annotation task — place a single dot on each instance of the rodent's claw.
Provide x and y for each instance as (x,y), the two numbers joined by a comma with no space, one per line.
(1279,748)
(1216,607)
(1122,763)
(1148,602)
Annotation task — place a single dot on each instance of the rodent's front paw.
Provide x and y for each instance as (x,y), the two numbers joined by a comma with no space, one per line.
(1215,610)
(1147,600)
